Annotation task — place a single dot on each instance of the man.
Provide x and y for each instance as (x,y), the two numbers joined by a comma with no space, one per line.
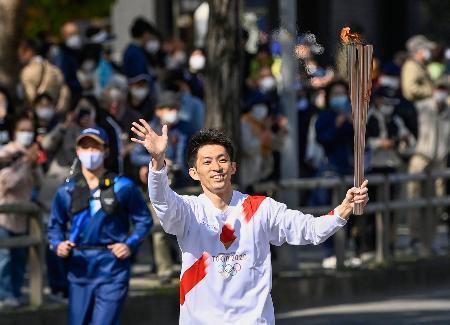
(225,235)
(99,206)
(39,76)
(430,153)
(415,82)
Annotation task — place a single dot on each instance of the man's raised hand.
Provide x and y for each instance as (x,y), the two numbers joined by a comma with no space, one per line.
(155,144)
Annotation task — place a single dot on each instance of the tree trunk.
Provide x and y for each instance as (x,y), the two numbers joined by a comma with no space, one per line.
(222,80)
(11,22)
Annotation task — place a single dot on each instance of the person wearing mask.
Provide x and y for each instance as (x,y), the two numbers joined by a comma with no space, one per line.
(416,83)
(196,77)
(167,112)
(192,108)
(90,225)
(44,112)
(134,61)
(6,112)
(39,76)
(431,151)
(140,96)
(19,176)
(66,58)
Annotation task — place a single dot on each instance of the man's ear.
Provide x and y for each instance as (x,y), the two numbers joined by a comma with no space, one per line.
(233,167)
(193,173)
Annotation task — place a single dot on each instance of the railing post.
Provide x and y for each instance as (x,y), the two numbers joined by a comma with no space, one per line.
(429,223)
(382,224)
(36,261)
(339,237)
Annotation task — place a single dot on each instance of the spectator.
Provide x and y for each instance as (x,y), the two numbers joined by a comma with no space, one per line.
(6,112)
(430,154)
(415,80)
(176,55)
(141,97)
(17,180)
(39,76)
(66,58)
(192,110)
(195,77)
(44,111)
(135,61)
(166,113)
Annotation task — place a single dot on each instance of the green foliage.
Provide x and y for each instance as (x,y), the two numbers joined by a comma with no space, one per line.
(49,15)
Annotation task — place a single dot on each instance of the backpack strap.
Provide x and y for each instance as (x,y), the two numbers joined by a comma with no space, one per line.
(108,199)
(80,194)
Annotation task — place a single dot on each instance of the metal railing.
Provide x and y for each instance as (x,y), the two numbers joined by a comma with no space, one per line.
(35,243)
(382,208)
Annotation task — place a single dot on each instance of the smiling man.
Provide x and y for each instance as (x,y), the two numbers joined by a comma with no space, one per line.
(225,235)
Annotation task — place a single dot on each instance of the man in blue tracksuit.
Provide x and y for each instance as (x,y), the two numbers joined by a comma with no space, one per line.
(99,207)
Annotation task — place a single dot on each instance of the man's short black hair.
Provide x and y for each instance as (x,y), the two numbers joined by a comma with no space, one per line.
(141,26)
(205,137)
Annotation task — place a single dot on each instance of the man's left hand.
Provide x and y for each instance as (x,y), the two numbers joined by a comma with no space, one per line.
(120,250)
(354,195)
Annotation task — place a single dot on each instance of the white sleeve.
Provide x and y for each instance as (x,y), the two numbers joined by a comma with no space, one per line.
(296,228)
(172,210)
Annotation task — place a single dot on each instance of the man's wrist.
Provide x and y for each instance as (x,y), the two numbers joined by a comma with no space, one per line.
(344,210)
(158,163)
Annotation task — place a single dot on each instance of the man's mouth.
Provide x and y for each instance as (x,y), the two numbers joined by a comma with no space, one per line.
(218,177)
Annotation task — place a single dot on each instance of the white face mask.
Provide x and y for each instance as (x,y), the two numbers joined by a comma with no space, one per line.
(170,117)
(390,82)
(427,54)
(74,42)
(197,62)
(45,113)
(139,93)
(440,96)
(152,46)
(267,84)
(386,109)
(260,111)
(91,159)
(24,138)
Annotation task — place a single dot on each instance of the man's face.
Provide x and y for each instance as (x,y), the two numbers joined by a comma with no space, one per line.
(213,168)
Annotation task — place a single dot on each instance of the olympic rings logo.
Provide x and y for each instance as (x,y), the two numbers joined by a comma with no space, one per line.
(229,270)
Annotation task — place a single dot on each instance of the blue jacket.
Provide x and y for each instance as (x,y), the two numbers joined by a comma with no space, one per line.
(135,62)
(92,226)
(336,141)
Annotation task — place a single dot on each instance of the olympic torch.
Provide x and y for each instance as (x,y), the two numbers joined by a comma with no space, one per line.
(359,69)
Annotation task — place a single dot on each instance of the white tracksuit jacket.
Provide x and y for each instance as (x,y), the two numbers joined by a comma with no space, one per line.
(226,274)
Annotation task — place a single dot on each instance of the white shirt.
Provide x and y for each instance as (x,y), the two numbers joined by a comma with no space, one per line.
(226,274)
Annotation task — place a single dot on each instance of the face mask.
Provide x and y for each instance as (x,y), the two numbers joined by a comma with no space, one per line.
(152,46)
(390,82)
(302,104)
(139,93)
(45,113)
(386,109)
(91,159)
(426,54)
(170,117)
(74,42)
(197,62)
(267,84)
(88,65)
(260,112)
(440,96)
(339,102)
(24,138)
(311,68)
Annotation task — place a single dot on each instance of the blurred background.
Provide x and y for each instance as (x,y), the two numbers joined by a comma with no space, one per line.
(271,74)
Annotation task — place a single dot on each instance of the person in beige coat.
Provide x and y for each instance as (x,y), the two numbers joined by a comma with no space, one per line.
(432,148)
(39,76)
(19,175)
(415,82)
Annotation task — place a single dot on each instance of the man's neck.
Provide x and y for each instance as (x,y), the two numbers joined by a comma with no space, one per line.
(93,176)
(220,200)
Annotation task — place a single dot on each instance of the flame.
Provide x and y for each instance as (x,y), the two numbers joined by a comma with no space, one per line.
(348,37)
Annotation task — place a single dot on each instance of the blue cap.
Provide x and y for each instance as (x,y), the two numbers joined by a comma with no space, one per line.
(96,133)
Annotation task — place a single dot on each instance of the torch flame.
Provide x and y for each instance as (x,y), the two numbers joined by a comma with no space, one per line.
(348,37)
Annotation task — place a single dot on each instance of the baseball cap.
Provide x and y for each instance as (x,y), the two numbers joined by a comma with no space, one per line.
(96,133)
(419,41)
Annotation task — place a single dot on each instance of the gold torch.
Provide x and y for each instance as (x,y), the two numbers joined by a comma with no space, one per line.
(359,69)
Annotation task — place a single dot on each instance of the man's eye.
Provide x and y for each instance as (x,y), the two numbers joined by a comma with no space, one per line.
(223,160)
(206,162)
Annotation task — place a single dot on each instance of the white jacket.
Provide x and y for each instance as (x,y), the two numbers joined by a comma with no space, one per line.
(226,273)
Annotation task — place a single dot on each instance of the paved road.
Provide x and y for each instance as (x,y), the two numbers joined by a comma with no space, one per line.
(431,307)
